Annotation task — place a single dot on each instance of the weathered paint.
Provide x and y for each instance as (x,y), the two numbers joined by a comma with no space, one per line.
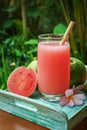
(39,111)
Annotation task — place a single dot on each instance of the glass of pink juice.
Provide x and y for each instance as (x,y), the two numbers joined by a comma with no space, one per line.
(53,66)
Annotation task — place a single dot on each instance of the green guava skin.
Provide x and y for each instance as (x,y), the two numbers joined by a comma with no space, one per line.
(33,65)
(77,72)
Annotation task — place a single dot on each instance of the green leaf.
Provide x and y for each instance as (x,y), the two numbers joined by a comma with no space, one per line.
(10,9)
(31,51)
(59,29)
(31,41)
(8,40)
(3,32)
(18,24)
(33,12)
(18,52)
(8,24)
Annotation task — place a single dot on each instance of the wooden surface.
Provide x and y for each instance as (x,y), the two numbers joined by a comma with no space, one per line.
(11,122)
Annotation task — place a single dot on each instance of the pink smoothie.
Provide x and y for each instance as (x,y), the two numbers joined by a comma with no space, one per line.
(53,67)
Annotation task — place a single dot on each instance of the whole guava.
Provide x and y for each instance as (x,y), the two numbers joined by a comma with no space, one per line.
(33,65)
(77,72)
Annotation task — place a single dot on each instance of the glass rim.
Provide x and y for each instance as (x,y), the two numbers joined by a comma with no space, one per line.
(50,36)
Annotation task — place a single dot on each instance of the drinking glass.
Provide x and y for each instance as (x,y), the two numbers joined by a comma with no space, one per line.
(53,66)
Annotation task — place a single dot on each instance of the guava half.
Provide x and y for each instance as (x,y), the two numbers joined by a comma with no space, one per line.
(22,81)
(77,72)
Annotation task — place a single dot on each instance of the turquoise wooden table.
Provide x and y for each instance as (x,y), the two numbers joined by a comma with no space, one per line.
(48,114)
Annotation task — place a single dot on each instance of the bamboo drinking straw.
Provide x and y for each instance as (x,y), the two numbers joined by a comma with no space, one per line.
(71,25)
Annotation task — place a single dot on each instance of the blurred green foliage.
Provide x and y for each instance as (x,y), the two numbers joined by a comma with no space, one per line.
(76,10)
(21,21)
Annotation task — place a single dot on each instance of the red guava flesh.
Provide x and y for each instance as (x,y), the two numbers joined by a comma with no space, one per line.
(22,81)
